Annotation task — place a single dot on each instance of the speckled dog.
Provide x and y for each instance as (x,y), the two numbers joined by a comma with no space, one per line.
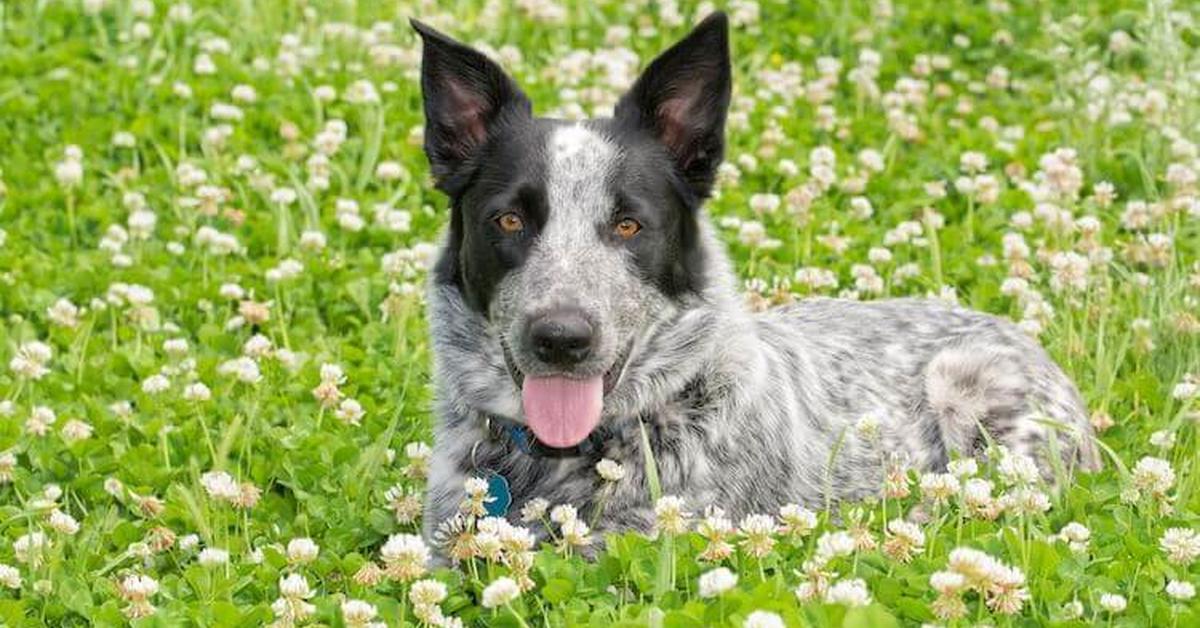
(581,290)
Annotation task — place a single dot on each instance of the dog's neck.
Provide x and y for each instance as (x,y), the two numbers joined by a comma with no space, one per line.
(704,337)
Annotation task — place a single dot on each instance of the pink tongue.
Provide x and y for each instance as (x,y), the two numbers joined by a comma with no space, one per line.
(562,411)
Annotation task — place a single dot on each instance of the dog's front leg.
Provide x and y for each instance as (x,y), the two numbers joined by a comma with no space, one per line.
(453,437)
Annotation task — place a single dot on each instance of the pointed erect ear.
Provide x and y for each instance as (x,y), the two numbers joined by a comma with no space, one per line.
(467,97)
(682,98)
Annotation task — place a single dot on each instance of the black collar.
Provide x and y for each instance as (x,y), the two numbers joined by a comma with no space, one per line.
(519,435)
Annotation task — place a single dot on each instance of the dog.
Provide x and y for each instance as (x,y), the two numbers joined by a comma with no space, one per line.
(582,307)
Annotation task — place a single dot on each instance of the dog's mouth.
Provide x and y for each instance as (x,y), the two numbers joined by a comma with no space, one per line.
(562,410)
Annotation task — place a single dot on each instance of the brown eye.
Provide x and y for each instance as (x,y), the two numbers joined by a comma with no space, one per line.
(628,227)
(510,222)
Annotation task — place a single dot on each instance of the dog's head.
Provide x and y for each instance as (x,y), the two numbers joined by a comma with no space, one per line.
(572,238)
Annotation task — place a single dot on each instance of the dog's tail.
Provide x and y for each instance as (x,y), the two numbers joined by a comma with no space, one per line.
(988,395)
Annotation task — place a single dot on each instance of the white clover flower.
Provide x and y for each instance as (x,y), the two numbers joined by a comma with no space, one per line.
(834,544)
(501,591)
(75,430)
(610,470)
(204,65)
(1113,602)
(1024,500)
(244,369)
(257,346)
(295,587)
(232,291)
(939,487)
(418,454)
(427,592)
(69,173)
(1120,42)
(1017,469)
(905,538)
(563,513)
(220,485)
(358,613)
(141,224)
(138,588)
(8,462)
(283,196)
(212,557)
(974,565)
(575,533)
(31,359)
(325,93)
(361,91)
(197,391)
(1181,591)
(389,171)
(175,347)
(243,93)
(1072,609)
(963,468)
(312,240)
(852,592)
(63,522)
(763,619)
(1163,439)
(972,162)
(534,510)
(758,530)
(947,582)
(29,548)
(1153,475)
(717,581)
(40,420)
(796,520)
(63,313)
(871,159)
(1181,545)
(155,384)
(350,411)
(114,487)
(406,556)
(867,426)
(332,373)
(302,550)
(765,203)
(879,255)
(1076,536)
(10,577)
(670,516)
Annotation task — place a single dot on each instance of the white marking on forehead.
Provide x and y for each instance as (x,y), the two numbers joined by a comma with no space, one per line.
(579,163)
(576,141)
(568,257)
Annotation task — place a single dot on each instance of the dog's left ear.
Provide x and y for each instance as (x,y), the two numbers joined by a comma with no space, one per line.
(682,98)
(467,97)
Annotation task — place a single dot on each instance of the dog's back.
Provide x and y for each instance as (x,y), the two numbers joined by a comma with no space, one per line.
(935,378)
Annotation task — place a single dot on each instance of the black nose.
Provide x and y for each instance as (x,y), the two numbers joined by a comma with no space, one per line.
(562,337)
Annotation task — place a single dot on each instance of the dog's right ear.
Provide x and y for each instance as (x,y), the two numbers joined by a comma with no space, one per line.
(466,97)
(682,98)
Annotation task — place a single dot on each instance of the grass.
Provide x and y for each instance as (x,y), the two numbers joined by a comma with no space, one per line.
(235,195)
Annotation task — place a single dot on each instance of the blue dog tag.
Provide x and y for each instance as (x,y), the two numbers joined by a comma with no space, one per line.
(499,496)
